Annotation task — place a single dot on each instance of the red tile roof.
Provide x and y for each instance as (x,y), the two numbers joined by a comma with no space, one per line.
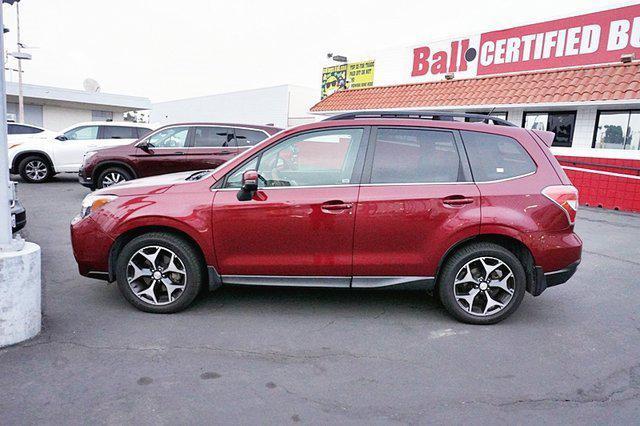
(595,83)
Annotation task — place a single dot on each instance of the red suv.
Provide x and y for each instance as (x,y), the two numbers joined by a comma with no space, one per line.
(477,212)
(173,148)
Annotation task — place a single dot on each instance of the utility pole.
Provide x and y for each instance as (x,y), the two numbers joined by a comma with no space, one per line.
(5,210)
(20,96)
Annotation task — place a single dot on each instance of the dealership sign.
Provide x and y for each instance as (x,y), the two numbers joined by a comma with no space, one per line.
(594,38)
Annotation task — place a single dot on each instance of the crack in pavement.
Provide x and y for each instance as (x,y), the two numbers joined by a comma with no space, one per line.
(611,257)
(630,375)
(274,356)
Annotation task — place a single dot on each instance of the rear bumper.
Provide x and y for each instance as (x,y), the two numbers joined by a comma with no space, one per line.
(21,216)
(543,280)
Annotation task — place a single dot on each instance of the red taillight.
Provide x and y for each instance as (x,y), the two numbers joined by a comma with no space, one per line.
(566,197)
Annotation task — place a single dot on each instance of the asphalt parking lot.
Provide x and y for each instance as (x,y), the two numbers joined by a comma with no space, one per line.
(265,355)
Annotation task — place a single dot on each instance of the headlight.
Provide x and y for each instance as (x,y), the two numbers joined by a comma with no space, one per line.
(91,203)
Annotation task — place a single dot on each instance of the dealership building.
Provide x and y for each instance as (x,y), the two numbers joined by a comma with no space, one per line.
(56,108)
(578,77)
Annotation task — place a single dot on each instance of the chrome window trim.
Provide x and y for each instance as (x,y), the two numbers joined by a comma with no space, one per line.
(417,183)
(384,184)
(265,188)
(507,179)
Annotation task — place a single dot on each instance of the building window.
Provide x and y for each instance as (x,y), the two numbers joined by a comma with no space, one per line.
(562,123)
(97,115)
(617,130)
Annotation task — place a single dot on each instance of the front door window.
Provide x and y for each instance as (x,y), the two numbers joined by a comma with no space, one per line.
(312,159)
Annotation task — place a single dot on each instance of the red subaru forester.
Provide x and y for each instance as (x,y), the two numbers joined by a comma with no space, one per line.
(478,212)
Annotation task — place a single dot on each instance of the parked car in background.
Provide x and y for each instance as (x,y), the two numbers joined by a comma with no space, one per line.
(38,160)
(478,213)
(18,213)
(169,149)
(18,133)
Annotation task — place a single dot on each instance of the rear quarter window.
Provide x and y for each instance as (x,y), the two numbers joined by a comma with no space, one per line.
(496,157)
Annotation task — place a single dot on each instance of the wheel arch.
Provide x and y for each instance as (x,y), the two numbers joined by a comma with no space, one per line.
(132,233)
(508,242)
(111,163)
(24,154)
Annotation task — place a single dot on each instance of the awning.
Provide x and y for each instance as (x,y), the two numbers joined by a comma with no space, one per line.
(584,84)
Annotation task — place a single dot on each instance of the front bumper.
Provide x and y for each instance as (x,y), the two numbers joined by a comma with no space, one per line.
(542,280)
(85,180)
(19,212)
(91,248)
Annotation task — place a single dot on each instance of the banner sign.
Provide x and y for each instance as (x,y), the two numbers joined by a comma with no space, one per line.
(347,76)
(594,38)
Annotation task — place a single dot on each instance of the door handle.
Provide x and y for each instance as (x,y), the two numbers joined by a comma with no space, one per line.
(457,200)
(179,153)
(223,153)
(335,206)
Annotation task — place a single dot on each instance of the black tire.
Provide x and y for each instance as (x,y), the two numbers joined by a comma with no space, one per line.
(187,255)
(35,169)
(453,267)
(111,173)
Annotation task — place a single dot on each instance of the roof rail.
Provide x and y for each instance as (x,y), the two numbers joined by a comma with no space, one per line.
(421,115)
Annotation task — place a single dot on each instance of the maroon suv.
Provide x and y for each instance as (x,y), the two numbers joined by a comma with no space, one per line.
(477,213)
(172,148)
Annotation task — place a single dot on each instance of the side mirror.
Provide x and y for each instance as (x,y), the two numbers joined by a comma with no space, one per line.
(249,185)
(62,138)
(144,145)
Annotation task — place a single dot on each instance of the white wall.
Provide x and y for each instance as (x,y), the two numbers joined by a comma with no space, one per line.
(57,118)
(301,99)
(260,106)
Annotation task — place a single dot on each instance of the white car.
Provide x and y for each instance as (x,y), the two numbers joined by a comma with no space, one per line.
(19,133)
(37,160)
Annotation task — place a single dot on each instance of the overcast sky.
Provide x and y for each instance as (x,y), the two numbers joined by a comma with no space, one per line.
(169,49)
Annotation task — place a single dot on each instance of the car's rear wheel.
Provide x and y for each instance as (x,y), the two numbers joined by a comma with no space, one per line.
(112,176)
(159,273)
(482,283)
(35,169)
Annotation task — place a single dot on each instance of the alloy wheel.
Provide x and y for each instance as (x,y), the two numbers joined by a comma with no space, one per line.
(484,286)
(112,178)
(36,170)
(156,275)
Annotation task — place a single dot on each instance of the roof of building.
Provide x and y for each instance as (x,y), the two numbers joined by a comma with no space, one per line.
(583,84)
(62,96)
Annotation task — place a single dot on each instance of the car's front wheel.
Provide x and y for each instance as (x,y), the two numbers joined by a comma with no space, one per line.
(482,283)
(112,176)
(160,273)
(35,169)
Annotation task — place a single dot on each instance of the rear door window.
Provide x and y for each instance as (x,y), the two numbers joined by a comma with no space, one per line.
(216,137)
(246,137)
(119,132)
(496,157)
(415,156)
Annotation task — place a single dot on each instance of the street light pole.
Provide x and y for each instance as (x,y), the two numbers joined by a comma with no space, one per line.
(5,210)
(20,96)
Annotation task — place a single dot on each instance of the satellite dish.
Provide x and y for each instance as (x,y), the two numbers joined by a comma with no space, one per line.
(90,85)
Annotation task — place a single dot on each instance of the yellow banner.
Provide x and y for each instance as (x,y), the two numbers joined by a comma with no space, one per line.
(347,76)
